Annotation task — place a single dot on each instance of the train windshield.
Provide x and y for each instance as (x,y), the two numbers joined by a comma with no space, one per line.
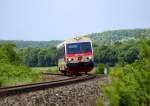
(72,48)
(85,47)
(76,48)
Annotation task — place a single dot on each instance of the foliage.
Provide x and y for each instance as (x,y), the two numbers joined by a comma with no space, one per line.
(99,69)
(52,69)
(32,44)
(112,54)
(102,38)
(8,54)
(16,75)
(110,37)
(130,85)
(39,57)
(110,47)
(11,71)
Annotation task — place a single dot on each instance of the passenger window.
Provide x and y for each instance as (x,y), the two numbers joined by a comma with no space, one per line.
(61,52)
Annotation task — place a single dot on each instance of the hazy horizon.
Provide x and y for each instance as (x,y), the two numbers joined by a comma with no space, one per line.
(36,20)
(72,36)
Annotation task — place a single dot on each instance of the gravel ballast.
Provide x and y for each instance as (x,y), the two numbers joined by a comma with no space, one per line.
(79,94)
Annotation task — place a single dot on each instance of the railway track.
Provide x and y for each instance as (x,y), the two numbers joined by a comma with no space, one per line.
(8,91)
(48,73)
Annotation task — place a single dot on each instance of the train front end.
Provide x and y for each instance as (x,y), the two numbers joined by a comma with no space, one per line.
(79,56)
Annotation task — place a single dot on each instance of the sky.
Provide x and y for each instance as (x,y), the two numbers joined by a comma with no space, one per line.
(44,20)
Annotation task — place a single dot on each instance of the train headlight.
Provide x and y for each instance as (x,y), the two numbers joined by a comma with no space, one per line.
(69,59)
(89,58)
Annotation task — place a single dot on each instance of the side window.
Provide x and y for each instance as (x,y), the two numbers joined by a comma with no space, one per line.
(61,52)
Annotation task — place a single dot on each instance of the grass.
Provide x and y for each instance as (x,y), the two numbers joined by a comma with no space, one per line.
(52,69)
(18,75)
(11,75)
(93,71)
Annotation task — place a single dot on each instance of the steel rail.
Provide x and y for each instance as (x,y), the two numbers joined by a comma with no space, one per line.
(14,90)
(60,74)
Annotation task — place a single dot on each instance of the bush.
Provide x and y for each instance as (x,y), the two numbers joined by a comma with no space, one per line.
(11,71)
(130,85)
(99,69)
(15,75)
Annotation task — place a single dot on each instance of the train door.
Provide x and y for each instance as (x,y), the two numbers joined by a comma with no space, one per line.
(61,59)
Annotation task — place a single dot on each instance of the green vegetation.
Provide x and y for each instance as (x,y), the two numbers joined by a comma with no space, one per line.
(52,69)
(110,47)
(32,44)
(110,54)
(103,38)
(11,71)
(39,57)
(115,53)
(123,51)
(129,84)
(110,37)
(99,69)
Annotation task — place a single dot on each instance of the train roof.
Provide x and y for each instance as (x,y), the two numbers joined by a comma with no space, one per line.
(74,40)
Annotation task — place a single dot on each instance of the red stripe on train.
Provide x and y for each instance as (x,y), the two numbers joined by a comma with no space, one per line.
(81,54)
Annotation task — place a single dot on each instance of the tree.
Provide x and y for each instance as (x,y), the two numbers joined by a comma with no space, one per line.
(12,72)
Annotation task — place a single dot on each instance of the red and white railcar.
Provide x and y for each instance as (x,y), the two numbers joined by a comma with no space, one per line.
(75,56)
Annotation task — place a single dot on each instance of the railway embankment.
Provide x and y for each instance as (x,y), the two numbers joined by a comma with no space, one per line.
(78,94)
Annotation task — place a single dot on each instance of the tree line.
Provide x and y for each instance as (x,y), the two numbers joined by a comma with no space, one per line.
(33,44)
(110,54)
(39,57)
(110,47)
(110,37)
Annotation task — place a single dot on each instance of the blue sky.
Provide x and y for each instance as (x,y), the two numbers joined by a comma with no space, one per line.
(43,20)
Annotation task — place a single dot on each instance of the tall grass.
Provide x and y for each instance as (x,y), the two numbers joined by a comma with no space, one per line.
(11,75)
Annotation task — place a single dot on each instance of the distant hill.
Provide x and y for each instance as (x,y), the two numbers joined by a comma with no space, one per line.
(102,38)
(34,44)
(109,37)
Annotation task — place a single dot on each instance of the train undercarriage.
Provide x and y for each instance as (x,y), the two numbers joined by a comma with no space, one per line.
(78,68)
